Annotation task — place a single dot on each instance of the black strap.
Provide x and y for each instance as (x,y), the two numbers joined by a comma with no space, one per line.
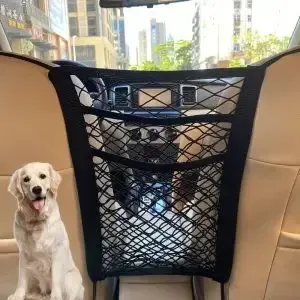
(158,168)
(94,290)
(84,170)
(234,163)
(209,118)
(222,291)
(116,292)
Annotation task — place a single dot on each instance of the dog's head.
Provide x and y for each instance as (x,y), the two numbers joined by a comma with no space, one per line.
(35,185)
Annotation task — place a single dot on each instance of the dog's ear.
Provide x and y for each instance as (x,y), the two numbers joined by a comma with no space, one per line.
(55,180)
(14,186)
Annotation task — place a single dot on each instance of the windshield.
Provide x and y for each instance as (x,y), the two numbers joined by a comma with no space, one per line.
(187,35)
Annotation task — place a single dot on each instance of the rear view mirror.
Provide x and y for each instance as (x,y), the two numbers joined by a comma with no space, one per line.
(133,3)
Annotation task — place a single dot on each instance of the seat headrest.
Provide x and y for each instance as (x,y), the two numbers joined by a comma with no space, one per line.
(95,86)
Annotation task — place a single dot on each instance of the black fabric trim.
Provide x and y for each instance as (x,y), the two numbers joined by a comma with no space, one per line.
(27,58)
(275,58)
(161,271)
(162,168)
(234,163)
(205,118)
(116,292)
(157,76)
(222,287)
(83,167)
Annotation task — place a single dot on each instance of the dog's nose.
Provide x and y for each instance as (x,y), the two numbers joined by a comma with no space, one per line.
(37,190)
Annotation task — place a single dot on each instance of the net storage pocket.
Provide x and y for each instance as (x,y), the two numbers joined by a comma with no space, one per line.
(142,223)
(158,162)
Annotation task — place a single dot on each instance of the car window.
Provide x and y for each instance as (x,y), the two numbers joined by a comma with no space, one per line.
(179,36)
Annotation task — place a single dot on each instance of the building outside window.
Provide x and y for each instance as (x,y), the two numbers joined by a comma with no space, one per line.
(237,31)
(74,28)
(236,47)
(39,53)
(35,3)
(92,26)
(237,20)
(237,4)
(91,5)
(86,55)
(72,5)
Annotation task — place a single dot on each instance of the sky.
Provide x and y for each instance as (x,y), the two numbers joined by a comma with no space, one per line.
(276,16)
(269,16)
(178,18)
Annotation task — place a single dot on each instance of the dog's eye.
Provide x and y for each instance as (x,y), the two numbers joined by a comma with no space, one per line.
(26,179)
(42,176)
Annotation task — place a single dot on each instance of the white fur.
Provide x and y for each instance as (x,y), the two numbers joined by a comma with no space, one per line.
(46,267)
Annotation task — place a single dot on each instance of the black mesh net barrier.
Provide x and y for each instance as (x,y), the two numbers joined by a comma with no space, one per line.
(158,146)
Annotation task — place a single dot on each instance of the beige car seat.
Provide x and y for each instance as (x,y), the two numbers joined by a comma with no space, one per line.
(267,257)
(267,252)
(32,129)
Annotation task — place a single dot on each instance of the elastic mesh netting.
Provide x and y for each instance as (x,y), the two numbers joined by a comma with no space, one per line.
(158,148)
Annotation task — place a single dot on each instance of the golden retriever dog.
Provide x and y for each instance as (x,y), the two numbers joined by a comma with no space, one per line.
(46,266)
